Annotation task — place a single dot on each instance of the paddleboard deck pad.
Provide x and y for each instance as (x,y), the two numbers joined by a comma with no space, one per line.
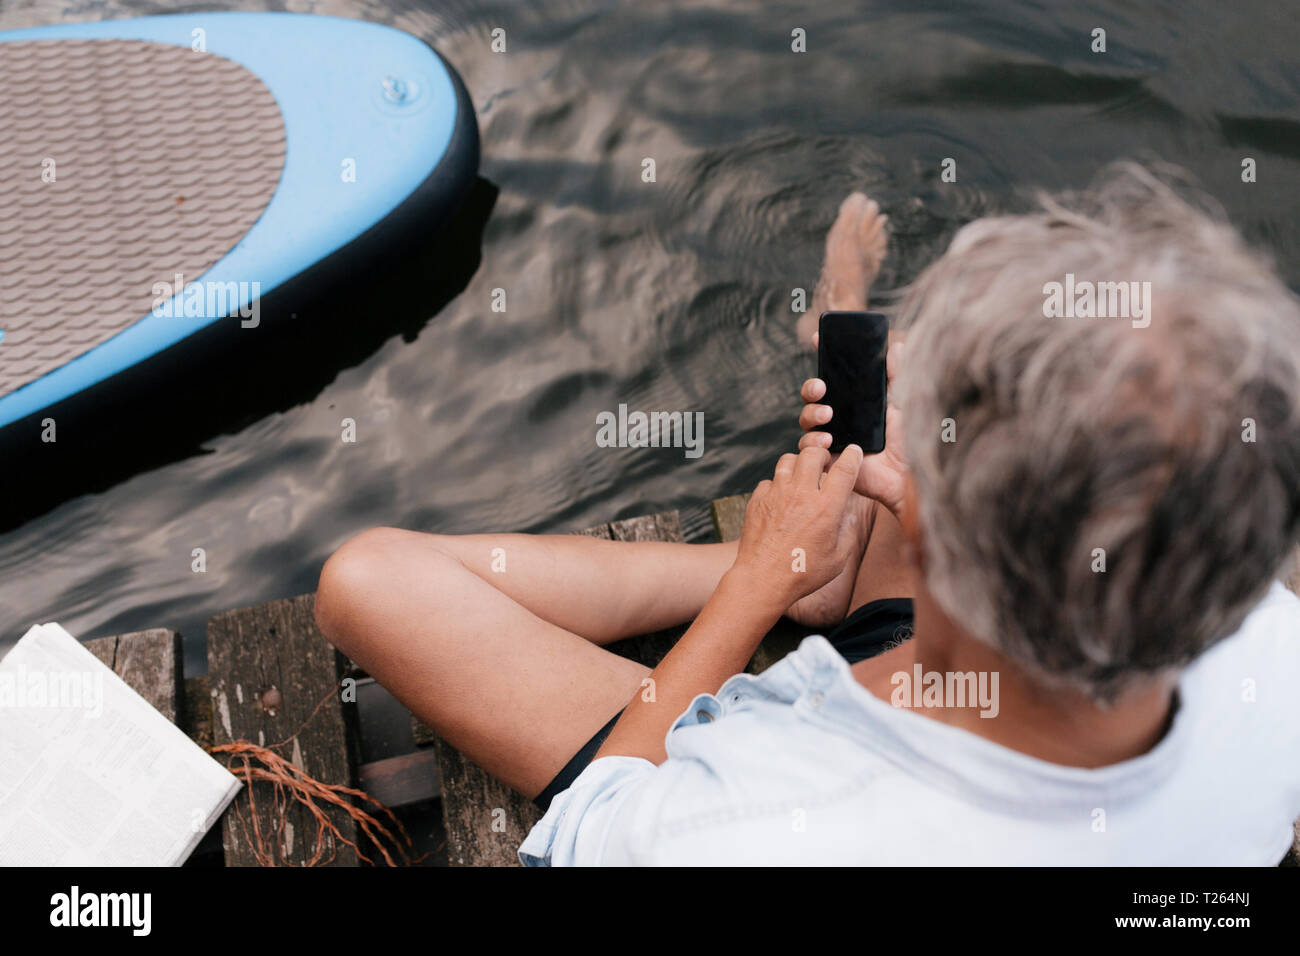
(164,175)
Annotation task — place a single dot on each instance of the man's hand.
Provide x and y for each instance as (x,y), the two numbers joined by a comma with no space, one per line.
(798,534)
(882,476)
(799,526)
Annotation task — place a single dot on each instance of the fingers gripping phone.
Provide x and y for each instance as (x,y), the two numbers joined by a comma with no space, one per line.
(851,361)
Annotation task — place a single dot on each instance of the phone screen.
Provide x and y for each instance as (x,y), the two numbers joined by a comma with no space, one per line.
(851,361)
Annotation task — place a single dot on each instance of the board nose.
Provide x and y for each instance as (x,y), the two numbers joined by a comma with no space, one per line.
(122,193)
(341,130)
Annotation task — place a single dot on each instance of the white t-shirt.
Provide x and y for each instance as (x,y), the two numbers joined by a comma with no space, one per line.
(802,765)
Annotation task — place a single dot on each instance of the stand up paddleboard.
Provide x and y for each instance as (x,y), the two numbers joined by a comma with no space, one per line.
(164,177)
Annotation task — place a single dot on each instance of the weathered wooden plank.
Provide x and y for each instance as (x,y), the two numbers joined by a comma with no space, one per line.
(596,531)
(105,648)
(401,781)
(149,662)
(486,820)
(729,516)
(275,679)
(196,712)
(665,526)
(423,734)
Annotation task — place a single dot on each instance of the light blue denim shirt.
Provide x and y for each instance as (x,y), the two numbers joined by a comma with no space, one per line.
(802,765)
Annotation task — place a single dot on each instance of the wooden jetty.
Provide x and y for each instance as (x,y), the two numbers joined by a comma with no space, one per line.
(273,676)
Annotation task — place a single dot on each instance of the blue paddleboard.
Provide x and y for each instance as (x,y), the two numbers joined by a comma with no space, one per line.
(168,174)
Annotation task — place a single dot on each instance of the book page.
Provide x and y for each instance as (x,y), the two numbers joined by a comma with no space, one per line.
(90,773)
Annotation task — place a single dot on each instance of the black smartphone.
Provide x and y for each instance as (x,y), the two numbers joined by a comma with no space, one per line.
(851,361)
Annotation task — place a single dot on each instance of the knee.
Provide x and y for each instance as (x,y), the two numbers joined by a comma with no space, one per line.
(352,581)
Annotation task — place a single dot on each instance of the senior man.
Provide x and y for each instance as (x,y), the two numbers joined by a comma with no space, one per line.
(1053,632)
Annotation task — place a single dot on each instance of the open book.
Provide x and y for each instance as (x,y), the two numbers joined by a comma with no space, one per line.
(90,773)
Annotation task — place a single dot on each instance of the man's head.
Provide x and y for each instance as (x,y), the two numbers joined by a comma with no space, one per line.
(1102,497)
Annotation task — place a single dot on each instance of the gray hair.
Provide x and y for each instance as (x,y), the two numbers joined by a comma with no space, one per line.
(1078,434)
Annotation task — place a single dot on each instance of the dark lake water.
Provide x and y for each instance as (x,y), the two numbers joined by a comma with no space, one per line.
(673,295)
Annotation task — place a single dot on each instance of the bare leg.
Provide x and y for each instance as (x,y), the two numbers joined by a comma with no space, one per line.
(885,571)
(855,249)
(598,589)
(503,664)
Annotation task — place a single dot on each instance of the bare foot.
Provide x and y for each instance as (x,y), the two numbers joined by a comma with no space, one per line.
(855,248)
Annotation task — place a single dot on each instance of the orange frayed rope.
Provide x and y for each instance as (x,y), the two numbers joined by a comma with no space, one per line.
(255,764)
